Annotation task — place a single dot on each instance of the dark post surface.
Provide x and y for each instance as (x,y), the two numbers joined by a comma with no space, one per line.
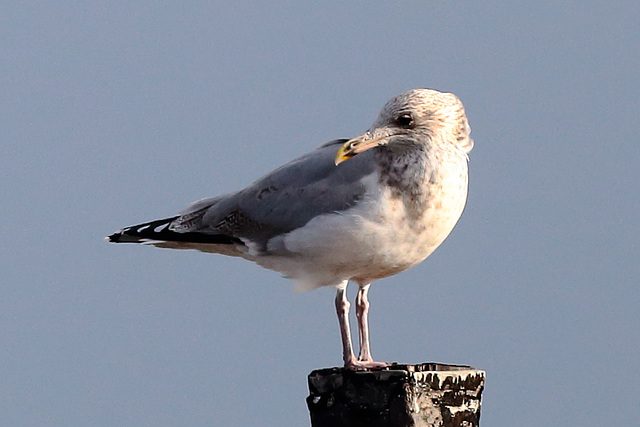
(428,394)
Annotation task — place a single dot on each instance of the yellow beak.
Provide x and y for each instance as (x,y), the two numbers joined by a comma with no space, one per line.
(355,146)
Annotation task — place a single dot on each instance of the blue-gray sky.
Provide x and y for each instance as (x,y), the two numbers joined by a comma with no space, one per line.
(114,113)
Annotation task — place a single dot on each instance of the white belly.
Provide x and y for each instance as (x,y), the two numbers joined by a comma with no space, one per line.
(375,239)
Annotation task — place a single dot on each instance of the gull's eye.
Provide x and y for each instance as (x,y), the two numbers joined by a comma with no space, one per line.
(405,120)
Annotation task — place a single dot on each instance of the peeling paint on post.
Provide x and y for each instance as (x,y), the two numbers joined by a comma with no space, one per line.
(428,394)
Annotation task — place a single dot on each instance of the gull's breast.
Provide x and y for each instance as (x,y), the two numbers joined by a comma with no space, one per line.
(377,238)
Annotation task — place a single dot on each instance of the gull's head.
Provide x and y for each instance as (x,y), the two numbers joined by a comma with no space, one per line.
(418,116)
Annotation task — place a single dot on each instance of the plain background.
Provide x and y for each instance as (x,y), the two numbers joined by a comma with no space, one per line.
(114,113)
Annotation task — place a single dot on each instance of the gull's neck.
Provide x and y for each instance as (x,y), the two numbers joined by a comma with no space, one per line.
(405,173)
(422,175)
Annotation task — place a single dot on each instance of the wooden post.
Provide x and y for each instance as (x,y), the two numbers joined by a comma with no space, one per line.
(428,394)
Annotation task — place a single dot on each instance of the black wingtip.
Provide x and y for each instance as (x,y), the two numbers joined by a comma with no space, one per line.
(121,236)
(141,233)
(158,231)
(114,238)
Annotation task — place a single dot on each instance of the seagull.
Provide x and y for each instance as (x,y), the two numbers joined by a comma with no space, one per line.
(351,210)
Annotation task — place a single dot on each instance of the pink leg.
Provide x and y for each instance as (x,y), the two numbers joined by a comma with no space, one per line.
(362,314)
(342,309)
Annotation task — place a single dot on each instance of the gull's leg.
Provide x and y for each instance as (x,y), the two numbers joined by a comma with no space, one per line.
(342,308)
(362,314)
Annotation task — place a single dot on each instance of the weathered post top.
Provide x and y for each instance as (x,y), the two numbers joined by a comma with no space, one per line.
(428,394)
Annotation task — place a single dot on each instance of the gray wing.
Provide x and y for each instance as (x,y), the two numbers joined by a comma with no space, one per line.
(283,200)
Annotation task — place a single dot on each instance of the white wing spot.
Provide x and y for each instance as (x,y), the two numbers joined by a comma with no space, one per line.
(160,228)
